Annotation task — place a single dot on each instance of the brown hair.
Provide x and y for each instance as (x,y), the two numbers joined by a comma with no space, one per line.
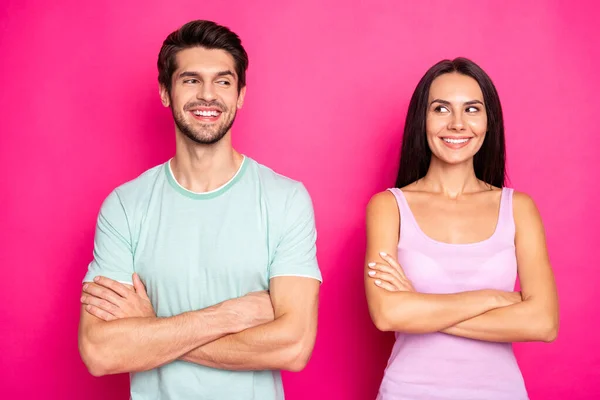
(206,34)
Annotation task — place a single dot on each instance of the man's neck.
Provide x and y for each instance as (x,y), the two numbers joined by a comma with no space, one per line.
(203,168)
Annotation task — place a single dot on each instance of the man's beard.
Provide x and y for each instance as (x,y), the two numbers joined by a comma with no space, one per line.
(205,133)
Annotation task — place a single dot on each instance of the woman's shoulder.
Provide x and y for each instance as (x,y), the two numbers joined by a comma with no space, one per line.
(523,205)
(382,209)
(381,200)
(521,199)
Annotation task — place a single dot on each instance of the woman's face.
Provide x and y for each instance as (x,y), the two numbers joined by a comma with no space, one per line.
(456,121)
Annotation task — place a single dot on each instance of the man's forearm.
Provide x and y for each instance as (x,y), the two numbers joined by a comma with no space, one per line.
(139,344)
(271,346)
(520,322)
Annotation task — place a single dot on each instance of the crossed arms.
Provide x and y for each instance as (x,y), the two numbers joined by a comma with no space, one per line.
(489,315)
(119,331)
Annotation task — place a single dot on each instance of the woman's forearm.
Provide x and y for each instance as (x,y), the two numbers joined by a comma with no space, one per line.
(412,312)
(522,322)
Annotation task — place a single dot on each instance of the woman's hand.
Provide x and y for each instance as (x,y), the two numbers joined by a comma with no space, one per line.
(388,275)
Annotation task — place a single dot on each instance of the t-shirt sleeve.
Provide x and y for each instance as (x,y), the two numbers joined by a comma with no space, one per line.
(296,252)
(113,255)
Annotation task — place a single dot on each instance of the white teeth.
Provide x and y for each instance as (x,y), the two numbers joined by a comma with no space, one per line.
(455,141)
(206,113)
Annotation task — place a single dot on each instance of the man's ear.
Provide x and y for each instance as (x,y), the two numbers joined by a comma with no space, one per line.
(165,99)
(240,101)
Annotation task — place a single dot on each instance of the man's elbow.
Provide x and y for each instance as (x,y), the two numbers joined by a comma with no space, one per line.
(299,353)
(297,364)
(299,358)
(96,370)
(93,358)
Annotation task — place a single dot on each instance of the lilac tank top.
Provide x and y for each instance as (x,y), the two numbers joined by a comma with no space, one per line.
(436,366)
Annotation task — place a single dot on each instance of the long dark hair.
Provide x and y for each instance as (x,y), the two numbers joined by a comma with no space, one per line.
(489,162)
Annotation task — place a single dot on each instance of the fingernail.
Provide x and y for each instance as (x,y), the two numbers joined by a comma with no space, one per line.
(371,273)
(85,286)
(88,307)
(96,279)
(371,264)
(383,254)
(82,299)
(378,282)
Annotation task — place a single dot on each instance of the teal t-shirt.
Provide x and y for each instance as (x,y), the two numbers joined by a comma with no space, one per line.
(194,250)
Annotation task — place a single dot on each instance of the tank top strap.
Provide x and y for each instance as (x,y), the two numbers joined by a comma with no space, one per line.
(407,222)
(506,222)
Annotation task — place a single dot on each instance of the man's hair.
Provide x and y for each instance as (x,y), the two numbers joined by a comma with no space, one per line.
(204,34)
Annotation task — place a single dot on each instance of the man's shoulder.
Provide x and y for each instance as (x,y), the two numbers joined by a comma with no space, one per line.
(136,190)
(142,182)
(274,182)
(281,192)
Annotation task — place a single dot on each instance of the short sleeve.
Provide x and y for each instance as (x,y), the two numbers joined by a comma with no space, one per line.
(113,255)
(296,251)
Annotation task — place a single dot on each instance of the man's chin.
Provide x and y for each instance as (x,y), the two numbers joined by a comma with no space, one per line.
(204,138)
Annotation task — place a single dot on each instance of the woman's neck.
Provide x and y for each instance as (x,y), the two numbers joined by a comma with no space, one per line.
(451,180)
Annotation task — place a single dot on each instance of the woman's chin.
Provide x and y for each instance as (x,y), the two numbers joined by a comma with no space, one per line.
(454,160)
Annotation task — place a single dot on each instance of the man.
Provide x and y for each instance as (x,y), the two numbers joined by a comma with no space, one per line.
(208,233)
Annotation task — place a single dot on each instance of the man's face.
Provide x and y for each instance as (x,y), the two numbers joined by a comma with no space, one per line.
(204,94)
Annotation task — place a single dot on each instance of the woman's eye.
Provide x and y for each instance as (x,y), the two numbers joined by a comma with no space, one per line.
(441,109)
(472,109)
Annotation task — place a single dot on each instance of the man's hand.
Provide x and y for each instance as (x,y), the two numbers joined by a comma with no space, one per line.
(109,300)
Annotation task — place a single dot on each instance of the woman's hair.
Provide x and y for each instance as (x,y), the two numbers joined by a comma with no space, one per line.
(416,154)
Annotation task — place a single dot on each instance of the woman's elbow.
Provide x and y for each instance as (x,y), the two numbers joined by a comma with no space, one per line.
(544,330)
(549,330)
(382,323)
(381,319)
(550,336)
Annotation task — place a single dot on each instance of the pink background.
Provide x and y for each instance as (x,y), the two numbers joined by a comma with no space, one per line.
(328,88)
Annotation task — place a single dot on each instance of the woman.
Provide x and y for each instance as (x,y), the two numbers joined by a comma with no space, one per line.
(445,245)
